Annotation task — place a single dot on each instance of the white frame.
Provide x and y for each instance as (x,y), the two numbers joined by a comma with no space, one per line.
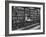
(26,31)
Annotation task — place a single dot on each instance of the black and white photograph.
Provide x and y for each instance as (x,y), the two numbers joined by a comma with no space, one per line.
(25,18)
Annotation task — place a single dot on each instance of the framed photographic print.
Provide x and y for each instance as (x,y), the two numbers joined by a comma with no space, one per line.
(24,18)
